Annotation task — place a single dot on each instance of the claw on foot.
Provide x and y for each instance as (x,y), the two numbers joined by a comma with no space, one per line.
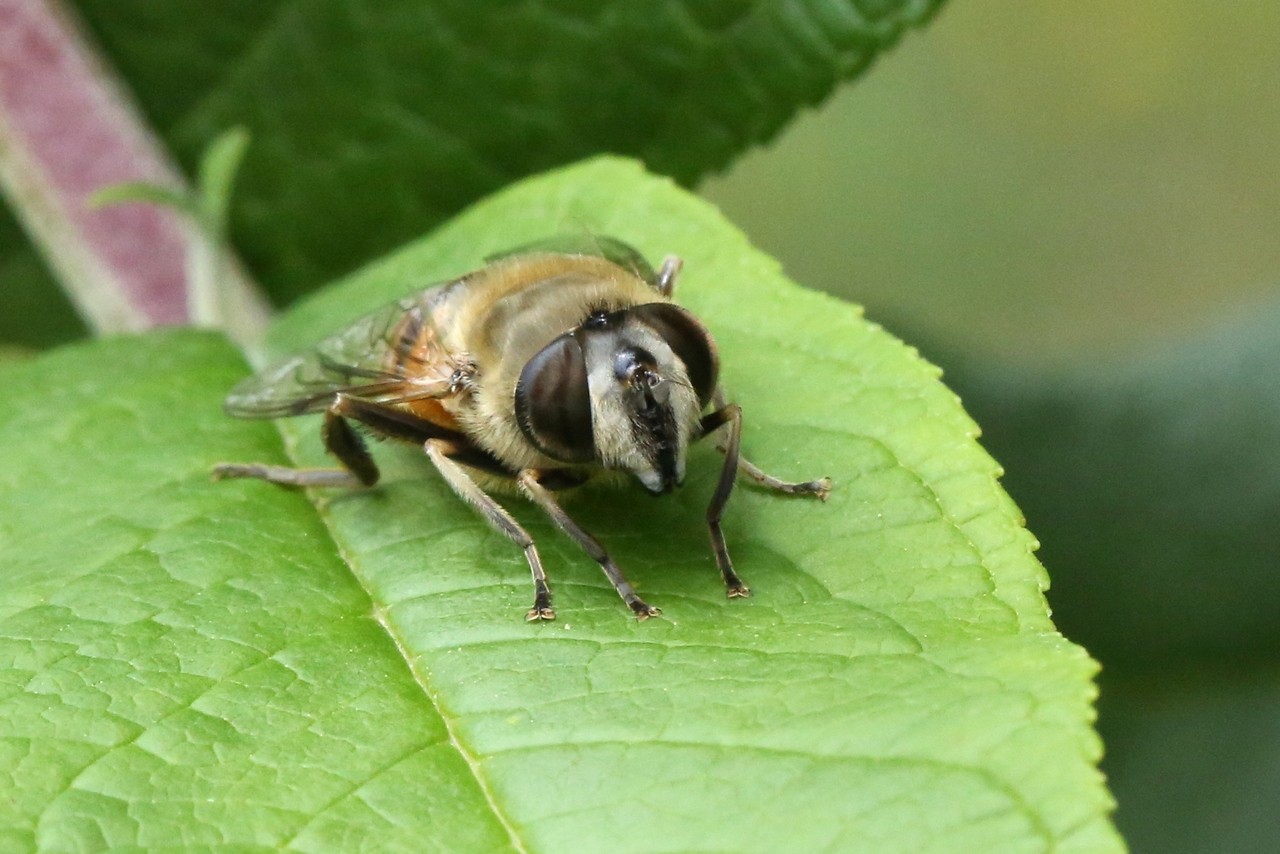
(738,591)
(537,614)
(643,611)
(820,488)
(221,471)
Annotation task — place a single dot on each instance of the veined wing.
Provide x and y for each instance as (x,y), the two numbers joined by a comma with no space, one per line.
(390,356)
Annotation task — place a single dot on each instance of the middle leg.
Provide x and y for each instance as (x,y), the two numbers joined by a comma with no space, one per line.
(439,452)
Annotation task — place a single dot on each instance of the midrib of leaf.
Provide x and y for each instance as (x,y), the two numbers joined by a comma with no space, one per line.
(466,753)
(420,678)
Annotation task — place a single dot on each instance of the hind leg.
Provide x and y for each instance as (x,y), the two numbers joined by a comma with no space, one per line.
(339,439)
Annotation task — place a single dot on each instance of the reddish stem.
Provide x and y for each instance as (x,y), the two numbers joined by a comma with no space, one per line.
(67,129)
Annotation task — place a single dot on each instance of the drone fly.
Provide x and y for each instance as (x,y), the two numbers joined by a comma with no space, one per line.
(545,368)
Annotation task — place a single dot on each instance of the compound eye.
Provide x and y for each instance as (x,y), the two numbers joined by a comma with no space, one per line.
(688,339)
(553,402)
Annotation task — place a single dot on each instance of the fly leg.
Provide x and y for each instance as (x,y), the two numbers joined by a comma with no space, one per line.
(339,439)
(542,496)
(439,452)
(820,488)
(731,415)
(667,275)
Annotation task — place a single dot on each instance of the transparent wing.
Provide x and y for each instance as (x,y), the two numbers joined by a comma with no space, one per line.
(609,248)
(389,356)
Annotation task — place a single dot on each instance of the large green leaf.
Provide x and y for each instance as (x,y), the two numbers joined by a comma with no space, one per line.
(373,121)
(218,664)
(183,664)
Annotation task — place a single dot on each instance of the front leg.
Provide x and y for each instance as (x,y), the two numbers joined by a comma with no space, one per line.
(732,416)
(666,283)
(820,488)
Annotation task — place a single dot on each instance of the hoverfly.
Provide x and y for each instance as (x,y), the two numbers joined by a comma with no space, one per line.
(547,367)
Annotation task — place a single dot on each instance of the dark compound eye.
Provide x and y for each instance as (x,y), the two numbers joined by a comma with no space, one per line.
(690,341)
(553,402)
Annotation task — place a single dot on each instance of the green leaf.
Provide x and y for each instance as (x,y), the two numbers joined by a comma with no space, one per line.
(208,205)
(182,663)
(34,311)
(218,167)
(143,192)
(375,120)
(219,664)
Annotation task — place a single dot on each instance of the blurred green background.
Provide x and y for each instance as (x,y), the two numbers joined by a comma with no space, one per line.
(1032,180)
(1074,209)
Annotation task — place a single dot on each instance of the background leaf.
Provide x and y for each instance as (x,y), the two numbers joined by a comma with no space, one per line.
(35,311)
(374,121)
(152,194)
(218,167)
(1211,592)
(895,684)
